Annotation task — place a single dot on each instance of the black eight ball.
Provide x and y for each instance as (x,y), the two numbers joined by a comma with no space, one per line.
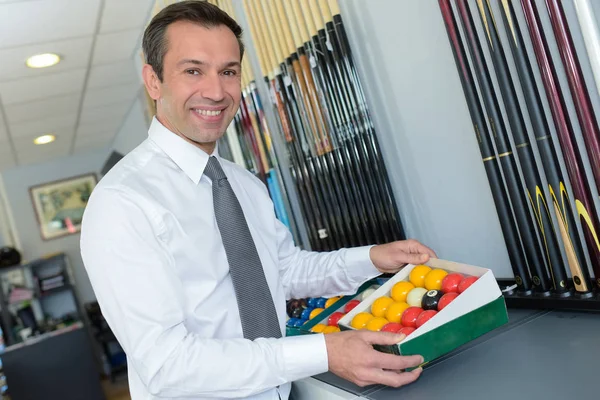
(431,299)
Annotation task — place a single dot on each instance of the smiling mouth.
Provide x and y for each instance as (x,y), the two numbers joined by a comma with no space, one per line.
(207,113)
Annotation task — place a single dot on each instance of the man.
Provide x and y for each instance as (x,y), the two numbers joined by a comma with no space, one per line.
(166,232)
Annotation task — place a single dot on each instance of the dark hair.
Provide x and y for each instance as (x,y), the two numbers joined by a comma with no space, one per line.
(154,43)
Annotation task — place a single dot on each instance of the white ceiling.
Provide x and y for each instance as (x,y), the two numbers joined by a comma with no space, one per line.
(84,99)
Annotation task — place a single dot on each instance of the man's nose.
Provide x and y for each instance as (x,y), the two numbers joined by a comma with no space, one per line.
(213,88)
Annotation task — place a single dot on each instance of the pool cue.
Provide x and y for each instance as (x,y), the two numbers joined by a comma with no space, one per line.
(307,197)
(560,199)
(591,36)
(329,185)
(332,85)
(490,160)
(342,52)
(263,137)
(348,212)
(348,154)
(526,226)
(534,187)
(331,180)
(304,173)
(360,224)
(344,156)
(262,133)
(579,91)
(585,208)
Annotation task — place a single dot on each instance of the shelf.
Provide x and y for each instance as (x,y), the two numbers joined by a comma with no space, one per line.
(55,290)
(550,302)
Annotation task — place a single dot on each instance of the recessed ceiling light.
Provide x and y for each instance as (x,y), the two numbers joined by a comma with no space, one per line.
(43,60)
(44,139)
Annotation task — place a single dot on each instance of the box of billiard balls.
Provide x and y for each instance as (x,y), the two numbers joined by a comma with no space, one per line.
(327,321)
(316,314)
(439,306)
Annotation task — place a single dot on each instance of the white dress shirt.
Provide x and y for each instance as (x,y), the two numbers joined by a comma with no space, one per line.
(152,249)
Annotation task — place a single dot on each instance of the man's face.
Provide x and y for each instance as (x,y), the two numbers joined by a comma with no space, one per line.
(201,87)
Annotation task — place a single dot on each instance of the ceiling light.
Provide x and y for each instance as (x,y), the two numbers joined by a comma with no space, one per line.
(44,139)
(43,60)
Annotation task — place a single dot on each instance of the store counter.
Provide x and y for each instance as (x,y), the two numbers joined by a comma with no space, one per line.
(57,365)
(538,355)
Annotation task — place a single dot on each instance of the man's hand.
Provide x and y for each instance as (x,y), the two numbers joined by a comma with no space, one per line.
(391,257)
(352,357)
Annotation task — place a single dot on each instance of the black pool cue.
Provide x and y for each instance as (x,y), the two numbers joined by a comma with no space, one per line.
(533,181)
(331,211)
(340,154)
(588,216)
(579,91)
(338,93)
(525,223)
(343,236)
(490,161)
(560,200)
(341,46)
(349,154)
(348,215)
(309,197)
(347,158)
(526,226)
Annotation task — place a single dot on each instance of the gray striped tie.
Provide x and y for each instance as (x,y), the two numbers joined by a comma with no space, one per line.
(255,303)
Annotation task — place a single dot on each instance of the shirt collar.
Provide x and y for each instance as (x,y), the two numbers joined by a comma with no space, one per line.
(191,159)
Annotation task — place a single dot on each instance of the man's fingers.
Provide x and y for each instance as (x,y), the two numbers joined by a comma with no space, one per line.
(383,338)
(393,378)
(397,363)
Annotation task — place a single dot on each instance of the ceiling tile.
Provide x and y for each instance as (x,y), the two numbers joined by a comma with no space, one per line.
(25,90)
(111,112)
(48,155)
(75,53)
(45,21)
(7,161)
(102,138)
(56,125)
(5,147)
(3,128)
(98,127)
(112,74)
(111,47)
(120,15)
(109,95)
(59,105)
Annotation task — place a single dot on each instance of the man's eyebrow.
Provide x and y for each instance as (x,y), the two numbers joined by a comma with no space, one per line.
(190,61)
(198,62)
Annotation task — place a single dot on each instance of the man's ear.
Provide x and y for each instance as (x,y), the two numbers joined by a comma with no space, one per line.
(151,81)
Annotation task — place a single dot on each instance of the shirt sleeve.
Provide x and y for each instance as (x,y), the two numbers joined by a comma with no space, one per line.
(326,274)
(140,295)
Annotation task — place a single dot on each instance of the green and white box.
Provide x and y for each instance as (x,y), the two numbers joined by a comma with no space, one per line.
(475,312)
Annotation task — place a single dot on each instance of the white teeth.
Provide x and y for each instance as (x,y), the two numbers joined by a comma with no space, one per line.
(208,113)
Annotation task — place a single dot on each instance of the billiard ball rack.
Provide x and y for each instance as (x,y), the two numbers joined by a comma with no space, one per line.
(546,301)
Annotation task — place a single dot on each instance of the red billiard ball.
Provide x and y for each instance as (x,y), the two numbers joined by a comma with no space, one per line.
(450,282)
(407,330)
(391,327)
(465,283)
(424,317)
(409,317)
(446,299)
(334,318)
(350,305)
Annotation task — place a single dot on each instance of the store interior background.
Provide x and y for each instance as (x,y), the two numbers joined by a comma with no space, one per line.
(94,102)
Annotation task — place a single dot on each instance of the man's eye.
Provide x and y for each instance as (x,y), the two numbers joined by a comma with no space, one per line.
(230,73)
(192,72)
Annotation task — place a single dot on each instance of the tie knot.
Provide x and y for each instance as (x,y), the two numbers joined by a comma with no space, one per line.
(213,169)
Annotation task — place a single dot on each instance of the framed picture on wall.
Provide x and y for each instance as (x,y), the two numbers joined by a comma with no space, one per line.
(59,205)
